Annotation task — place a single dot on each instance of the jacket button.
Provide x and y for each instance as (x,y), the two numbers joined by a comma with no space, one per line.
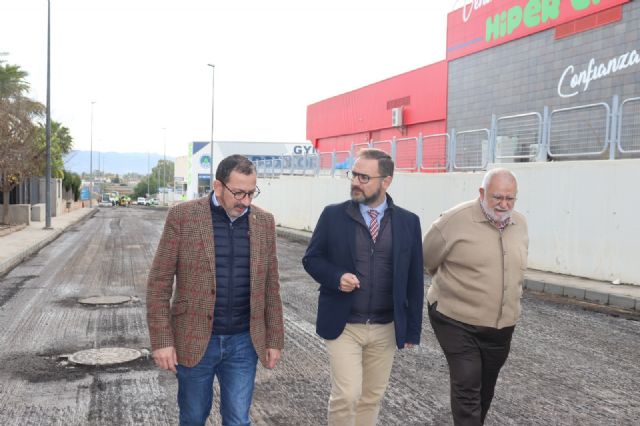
(213,292)
(209,317)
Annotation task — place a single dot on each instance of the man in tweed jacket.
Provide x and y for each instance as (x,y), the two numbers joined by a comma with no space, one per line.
(225,311)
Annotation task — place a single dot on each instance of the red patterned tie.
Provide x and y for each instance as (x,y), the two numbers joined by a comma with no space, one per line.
(373,226)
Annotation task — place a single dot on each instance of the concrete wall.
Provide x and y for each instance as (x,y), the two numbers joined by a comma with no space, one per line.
(57,204)
(19,214)
(38,212)
(582,215)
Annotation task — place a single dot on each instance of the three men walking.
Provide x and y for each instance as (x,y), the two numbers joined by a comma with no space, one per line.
(224,311)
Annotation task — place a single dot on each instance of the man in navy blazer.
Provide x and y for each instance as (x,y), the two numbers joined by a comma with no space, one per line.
(366,253)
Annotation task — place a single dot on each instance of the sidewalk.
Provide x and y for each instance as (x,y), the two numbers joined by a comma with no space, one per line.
(19,245)
(600,292)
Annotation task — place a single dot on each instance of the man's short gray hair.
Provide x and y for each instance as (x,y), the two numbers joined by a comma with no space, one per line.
(488,177)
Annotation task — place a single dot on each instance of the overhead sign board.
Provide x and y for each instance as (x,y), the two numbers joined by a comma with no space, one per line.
(481,24)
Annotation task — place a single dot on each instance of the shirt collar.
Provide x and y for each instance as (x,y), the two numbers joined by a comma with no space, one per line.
(216,203)
(500,225)
(364,209)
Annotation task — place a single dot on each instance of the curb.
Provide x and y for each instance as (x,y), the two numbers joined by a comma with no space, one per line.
(11,263)
(621,301)
(293,234)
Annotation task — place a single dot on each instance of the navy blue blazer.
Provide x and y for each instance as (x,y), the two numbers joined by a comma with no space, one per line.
(330,254)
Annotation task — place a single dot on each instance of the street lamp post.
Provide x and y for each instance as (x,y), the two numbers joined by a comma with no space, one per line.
(164,168)
(47,179)
(213,68)
(91,161)
(148,174)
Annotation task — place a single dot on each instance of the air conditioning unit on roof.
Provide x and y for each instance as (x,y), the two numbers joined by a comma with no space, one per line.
(396,117)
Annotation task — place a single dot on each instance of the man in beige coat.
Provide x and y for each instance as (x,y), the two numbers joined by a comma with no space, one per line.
(476,254)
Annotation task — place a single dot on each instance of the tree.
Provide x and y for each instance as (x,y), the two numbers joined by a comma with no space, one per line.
(163,172)
(141,189)
(61,144)
(20,154)
(155,179)
(72,182)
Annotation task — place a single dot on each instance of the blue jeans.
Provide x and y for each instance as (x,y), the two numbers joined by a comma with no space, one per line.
(233,360)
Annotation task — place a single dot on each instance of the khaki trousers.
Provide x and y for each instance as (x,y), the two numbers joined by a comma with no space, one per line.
(361,359)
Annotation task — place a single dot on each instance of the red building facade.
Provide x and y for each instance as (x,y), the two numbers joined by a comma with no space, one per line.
(366,114)
(504,58)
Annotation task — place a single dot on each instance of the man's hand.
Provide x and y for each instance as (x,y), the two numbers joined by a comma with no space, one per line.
(349,282)
(166,358)
(408,345)
(273,356)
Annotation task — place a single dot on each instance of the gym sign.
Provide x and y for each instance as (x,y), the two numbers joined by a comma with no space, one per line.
(480,24)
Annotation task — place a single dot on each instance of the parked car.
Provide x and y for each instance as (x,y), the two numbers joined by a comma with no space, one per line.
(142,201)
(105,201)
(153,202)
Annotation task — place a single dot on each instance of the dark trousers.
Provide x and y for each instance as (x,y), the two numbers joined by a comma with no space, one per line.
(475,356)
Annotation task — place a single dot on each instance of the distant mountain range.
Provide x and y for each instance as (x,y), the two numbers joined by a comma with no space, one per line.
(112,162)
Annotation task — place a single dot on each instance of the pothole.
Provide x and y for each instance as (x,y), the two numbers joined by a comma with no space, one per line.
(105,300)
(105,356)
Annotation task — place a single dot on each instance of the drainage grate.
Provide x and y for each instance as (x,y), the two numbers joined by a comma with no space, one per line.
(105,300)
(105,356)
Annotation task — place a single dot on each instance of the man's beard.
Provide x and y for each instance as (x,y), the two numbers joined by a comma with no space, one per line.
(500,218)
(359,197)
(231,211)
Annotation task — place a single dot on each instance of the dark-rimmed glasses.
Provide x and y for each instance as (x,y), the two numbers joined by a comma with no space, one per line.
(240,195)
(362,178)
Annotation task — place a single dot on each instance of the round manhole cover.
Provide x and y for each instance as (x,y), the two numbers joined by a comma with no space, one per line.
(105,300)
(105,356)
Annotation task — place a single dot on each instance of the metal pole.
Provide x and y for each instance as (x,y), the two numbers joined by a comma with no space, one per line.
(613,127)
(164,169)
(148,175)
(91,161)
(211,141)
(47,177)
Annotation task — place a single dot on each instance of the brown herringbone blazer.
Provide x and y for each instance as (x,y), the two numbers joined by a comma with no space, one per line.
(186,251)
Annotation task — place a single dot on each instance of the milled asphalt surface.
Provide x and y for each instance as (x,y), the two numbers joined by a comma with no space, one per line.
(571,363)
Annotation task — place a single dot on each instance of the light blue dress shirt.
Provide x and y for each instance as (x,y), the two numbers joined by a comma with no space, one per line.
(364,211)
(232,219)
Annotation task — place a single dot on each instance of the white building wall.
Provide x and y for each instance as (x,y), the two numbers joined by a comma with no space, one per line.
(222,149)
(582,215)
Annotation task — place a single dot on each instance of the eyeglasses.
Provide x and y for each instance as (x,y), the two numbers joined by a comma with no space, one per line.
(362,178)
(240,195)
(500,198)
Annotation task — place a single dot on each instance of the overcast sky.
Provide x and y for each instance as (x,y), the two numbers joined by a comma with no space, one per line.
(144,63)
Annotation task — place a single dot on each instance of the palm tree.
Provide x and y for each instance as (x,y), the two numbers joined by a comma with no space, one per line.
(20,154)
(61,144)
